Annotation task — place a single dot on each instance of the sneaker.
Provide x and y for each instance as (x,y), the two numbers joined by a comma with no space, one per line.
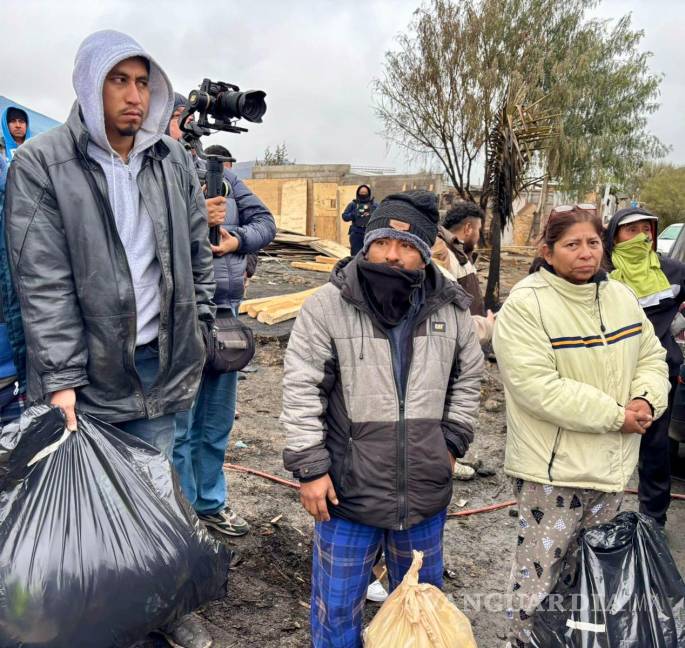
(187,632)
(376,592)
(226,522)
(462,472)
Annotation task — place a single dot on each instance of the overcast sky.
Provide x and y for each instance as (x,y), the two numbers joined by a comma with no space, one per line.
(315,60)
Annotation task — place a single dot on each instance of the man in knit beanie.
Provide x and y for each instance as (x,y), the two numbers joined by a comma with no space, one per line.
(380,394)
(410,217)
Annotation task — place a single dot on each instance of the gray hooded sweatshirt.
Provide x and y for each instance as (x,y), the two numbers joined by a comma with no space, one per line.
(98,54)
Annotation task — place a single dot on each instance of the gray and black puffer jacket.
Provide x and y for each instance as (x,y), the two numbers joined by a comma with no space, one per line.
(386,452)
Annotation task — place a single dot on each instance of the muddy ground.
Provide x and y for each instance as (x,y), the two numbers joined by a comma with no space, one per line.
(268,603)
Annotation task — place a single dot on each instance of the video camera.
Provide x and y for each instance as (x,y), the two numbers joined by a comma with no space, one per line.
(225,104)
(363,210)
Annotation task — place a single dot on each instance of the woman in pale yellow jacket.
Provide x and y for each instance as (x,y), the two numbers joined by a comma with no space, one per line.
(584,377)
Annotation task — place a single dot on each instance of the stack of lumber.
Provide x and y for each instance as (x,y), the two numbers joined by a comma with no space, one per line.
(320,264)
(273,310)
(296,247)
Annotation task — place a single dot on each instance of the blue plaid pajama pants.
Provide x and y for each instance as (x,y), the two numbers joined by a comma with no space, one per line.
(344,553)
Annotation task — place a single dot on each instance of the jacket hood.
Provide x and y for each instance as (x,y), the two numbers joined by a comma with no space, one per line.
(10,144)
(364,186)
(96,56)
(612,227)
(439,289)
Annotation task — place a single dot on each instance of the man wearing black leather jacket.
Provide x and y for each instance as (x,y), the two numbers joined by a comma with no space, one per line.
(107,232)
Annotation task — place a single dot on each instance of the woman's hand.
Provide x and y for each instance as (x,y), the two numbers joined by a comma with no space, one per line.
(636,422)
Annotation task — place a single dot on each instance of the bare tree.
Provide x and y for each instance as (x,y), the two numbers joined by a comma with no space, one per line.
(276,158)
(444,82)
(426,97)
(443,87)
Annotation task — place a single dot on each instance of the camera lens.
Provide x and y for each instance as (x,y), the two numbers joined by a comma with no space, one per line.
(199,100)
(248,105)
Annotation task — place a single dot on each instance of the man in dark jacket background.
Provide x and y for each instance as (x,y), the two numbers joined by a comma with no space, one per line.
(380,394)
(461,232)
(202,433)
(659,284)
(107,233)
(358,213)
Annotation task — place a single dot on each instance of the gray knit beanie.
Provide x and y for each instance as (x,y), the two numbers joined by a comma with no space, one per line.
(410,216)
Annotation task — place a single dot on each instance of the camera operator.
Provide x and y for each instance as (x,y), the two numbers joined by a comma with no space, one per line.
(202,433)
(358,213)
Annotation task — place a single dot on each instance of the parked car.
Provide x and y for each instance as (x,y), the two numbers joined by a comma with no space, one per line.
(665,242)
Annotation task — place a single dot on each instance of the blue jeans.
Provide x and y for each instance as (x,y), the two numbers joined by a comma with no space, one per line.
(202,438)
(356,240)
(344,553)
(158,432)
(201,441)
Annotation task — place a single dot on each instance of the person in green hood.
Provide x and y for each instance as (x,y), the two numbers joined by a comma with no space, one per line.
(659,285)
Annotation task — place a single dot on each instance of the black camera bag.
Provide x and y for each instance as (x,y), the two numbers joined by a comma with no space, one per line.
(230,344)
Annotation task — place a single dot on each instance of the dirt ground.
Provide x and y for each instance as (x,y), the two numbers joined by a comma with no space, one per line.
(269,588)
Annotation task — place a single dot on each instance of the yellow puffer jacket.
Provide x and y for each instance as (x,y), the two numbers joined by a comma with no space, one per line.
(571,357)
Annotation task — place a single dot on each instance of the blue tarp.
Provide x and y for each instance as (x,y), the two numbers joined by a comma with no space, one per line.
(37,121)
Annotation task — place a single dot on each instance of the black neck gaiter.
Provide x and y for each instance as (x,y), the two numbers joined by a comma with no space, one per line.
(389,291)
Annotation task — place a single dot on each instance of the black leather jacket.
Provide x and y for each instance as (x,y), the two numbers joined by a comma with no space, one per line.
(74,284)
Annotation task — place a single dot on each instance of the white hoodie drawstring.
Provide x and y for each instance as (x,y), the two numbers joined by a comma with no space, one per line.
(114,183)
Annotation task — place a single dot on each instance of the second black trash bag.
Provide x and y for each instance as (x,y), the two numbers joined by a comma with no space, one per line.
(97,545)
(627,593)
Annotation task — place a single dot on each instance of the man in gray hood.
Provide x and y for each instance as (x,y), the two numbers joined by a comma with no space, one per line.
(107,233)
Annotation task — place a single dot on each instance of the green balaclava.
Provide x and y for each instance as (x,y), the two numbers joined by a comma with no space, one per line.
(637,265)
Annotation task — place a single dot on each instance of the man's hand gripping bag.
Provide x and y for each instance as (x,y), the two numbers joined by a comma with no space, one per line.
(97,544)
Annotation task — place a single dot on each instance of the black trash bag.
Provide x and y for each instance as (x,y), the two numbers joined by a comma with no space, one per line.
(627,592)
(98,546)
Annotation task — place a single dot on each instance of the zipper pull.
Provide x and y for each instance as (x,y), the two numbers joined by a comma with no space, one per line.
(16,387)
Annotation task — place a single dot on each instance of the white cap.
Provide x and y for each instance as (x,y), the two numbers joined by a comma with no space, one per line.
(633,218)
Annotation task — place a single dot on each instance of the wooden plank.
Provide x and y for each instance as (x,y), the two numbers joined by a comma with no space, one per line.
(326,259)
(325,201)
(253,311)
(330,248)
(298,239)
(279,316)
(311,229)
(309,265)
(293,214)
(251,302)
(254,306)
(345,194)
(269,192)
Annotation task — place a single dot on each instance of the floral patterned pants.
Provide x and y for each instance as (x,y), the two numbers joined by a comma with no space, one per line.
(551,519)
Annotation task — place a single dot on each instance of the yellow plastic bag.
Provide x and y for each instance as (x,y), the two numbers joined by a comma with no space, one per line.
(418,616)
